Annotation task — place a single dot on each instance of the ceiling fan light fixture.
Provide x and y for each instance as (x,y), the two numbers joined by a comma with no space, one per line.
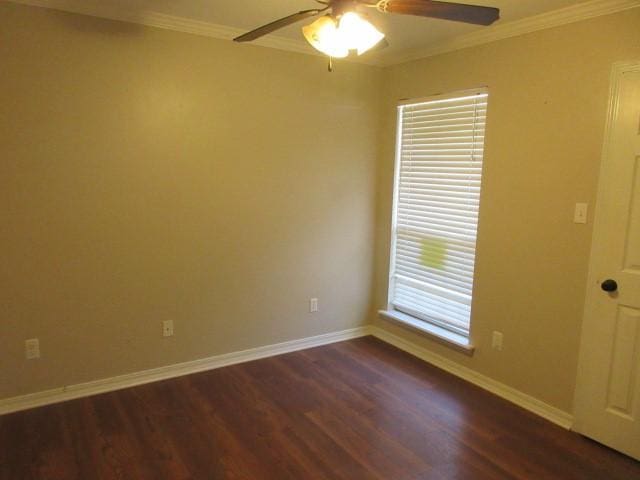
(323,35)
(337,38)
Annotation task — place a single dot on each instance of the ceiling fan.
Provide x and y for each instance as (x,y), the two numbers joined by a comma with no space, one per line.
(342,30)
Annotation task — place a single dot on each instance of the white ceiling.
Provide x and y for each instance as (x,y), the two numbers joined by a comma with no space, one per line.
(408,36)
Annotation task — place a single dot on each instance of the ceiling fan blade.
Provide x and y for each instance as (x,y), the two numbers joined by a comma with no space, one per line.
(278,24)
(458,12)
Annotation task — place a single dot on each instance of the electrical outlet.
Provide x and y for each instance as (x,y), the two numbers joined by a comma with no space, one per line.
(496,340)
(167,328)
(32,348)
(313,305)
(580,214)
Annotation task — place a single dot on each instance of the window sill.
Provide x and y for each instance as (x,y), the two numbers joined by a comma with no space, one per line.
(433,332)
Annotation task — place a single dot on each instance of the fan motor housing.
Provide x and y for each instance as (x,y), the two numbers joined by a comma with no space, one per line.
(339,7)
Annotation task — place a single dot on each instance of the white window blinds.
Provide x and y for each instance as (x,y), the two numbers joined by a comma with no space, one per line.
(437,196)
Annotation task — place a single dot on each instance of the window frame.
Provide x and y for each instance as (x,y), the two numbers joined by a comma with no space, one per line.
(433,327)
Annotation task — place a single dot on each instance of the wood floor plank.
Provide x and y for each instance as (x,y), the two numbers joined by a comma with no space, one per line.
(355,410)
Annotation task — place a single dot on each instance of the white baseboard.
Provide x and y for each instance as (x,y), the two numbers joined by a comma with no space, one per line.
(71,392)
(553,414)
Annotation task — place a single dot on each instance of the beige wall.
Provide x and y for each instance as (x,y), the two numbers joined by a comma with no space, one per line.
(148,175)
(547,108)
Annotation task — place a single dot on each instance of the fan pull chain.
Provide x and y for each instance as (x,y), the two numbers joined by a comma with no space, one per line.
(330,66)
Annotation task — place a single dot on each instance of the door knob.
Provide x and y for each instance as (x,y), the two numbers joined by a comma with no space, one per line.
(609,285)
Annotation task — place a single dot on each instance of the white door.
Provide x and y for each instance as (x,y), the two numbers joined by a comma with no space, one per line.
(607,401)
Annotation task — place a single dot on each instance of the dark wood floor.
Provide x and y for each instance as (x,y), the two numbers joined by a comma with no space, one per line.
(355,410)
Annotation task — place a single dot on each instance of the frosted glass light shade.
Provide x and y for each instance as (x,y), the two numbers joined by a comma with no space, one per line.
(323,35)
(337,38)
(357,33)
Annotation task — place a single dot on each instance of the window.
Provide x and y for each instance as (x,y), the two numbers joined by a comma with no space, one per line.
(435,218)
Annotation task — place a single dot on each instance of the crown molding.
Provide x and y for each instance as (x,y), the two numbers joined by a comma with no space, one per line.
(554,18)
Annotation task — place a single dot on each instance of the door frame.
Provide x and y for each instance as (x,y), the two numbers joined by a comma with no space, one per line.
(598,235)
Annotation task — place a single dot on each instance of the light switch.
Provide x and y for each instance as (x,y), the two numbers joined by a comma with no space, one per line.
(580,215)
